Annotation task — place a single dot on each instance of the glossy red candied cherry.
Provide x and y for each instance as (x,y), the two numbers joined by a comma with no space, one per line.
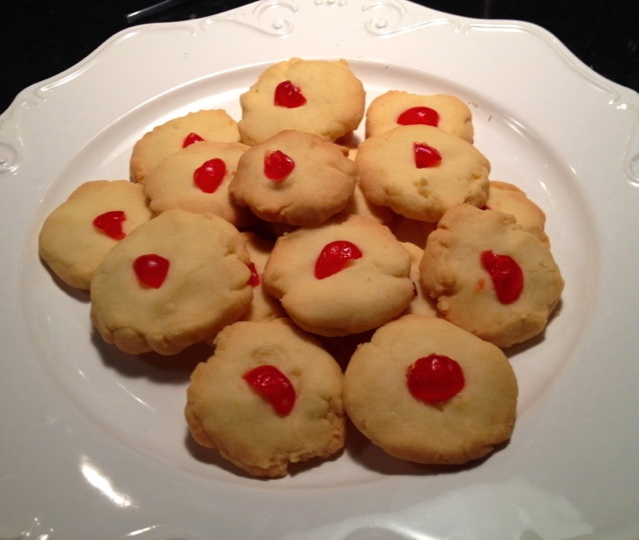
(151,269)
(254,279)
(506,275)
(190,139)
(426,156)
(288,95)
(419,116)
(278,166)
(435,378)
(110,223)
(334,257)
(210,175)
(272,385)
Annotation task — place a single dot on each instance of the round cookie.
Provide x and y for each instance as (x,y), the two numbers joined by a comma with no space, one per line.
(175,281)
(490,276)
(294,178)
(347,276)
(264,307)
(510,199)
(427,391)
(78,234)
(395,108)
(197,179)
(318,96)
(177,133)
(421,171)
(303,419)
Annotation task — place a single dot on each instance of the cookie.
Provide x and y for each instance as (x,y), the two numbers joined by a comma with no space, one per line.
(264,307)
(197,179)
(294,178)
(429,392)
(490,276)
(347,276)
(270,396)
(173,282)
(318,96)
(510,199)
(421,171)
(79,233)
(177,133)
(394,108)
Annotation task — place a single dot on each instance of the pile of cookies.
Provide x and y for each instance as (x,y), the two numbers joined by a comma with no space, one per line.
(374,280)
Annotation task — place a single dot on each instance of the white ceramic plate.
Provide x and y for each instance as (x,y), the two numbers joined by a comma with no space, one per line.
(93,442)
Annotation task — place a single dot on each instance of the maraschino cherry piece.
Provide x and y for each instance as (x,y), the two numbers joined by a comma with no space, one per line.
(254,279)
(275,387)
(335,256)
(151,269)
(434,378)
(426,156)
(190,139)
(278,166)
(210,175)
(288,95)
(419,115)
(507,276)
(110,223)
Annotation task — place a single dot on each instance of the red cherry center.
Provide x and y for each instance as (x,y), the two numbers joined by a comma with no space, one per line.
(419,115)
(288,95)
(110,223)
(507,276)
(151,269)
(275,387)
(426,156)
(434,378)
(254,279)
(278,166)
(210,175)
(190,139)
(334,257)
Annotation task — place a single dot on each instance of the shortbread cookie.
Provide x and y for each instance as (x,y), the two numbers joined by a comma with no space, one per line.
(427,391)
(318,96)
(490,276)
(347,276)
(264,307)
(510,199)
(294,178)
(422,303)
(197,179)
(421,171)
(396,108)
(175,281)
(177,133)
(269,397)
(79,233)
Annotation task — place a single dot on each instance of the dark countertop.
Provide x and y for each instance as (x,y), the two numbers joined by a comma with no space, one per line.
(41,39)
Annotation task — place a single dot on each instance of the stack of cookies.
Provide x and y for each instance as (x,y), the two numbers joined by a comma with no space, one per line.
(376,280)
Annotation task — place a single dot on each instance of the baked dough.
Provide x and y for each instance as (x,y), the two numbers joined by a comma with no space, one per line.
(451,113)
(69,242)
(458,429)
(389,174)
(452,272)
(223,411)
(171,136)
(206,287)
(367,292)
(334,101)
(317,183)
(197,179)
